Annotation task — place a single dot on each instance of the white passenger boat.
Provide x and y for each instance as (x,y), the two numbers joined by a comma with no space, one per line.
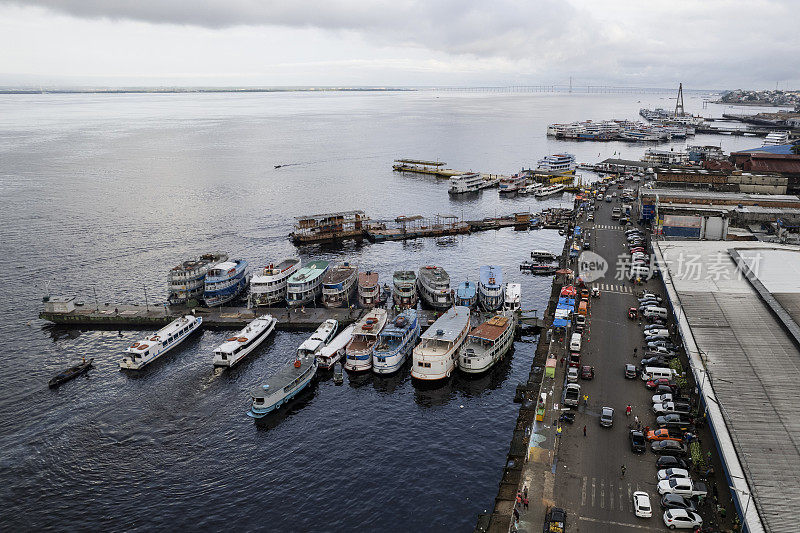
(235,348)
(512,184)
(435,356)
(358,352)
(434,287)
(339,286)
(404,289)
(550,190)
(187,280)
(147,350)
(330,354)
(557,164)
(490,288)
(268,287)
(543,256)
(304,286)
(512,299)
(321,337)
(395,343)
(487,343)
(464,183)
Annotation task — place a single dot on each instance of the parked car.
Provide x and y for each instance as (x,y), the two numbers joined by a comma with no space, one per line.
(671,407)
(653,383)
(607,417)
(641,504)
(670,461)
(668,447)
(661,350)
(676,501)
(665,389)
(631,372)
(572,374)
(638,444)
(675,421)
(664,434)
(683,486)
(672,473)
(587,372)
(682,519)
(658,360)
(662,343)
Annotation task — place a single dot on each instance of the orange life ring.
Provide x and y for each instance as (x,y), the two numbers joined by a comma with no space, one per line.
(154,339)
(242,339)
(142,346)
(135,345)
(232,338)
(297,363)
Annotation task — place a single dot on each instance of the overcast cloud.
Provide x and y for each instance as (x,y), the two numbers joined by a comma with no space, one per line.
(705,44)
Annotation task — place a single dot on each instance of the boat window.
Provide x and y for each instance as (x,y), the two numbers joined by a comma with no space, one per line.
(427,365)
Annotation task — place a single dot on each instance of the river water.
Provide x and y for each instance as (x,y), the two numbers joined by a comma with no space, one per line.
(101,194)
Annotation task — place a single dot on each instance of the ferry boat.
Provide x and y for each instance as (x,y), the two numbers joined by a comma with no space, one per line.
(236,347)
(369,290)
(339,285)
(268,287)
(549,190)
(147,350)
(187,280)
(359,350)
(225,281)
(435,356)
(324,334)
(404,289)
(487,343)
(331,353)
(543,256)
(538,268)
(490,287)
(557,164)
(465,183)
(466,294)
(395,343)
(512,297)
(283,386)
(533,188)
(512,184)
(304,286)
(433,283)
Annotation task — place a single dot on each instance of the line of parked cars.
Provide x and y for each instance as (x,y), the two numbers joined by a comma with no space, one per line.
(667,438)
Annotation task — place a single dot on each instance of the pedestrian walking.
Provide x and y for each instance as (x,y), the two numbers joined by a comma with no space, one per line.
(584,431)
(623,471)
(525,503)
(636,420)
(525,491)
(628,410)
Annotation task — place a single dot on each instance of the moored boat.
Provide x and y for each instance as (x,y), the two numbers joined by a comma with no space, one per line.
(542,256)
(187,280)
(282,386)
(404,289)
(141,353)
(331,353)
(464,183)
(433,284)
(490,287)
(512,184)
(395,342)
(512,298)
(268,287)
(320,338)
(557,164)
(70,373)
(304,286)
(369,290)
(550,190)
(338,374)
(236,347)
(466,294)
(434,358)
(487,343)
(358,353)
(225,281)
(339,285)
(538,268)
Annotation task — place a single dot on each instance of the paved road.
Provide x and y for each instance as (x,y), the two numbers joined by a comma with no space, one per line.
(588,482)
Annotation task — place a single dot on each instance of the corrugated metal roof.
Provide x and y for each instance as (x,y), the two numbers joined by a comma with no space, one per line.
(777,149)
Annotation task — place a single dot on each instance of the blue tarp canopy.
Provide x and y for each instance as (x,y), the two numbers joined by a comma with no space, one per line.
(566,301)
(560,323)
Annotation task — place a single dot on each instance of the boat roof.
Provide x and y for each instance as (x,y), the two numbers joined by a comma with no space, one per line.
(436,273)
(404,275)
(203,260)
(490,273)
(280,379)
(513,289)
(256,325)
(374,314)
(311,270)
(450,324)
(491,329)
(339,273)
(339,342)
(368,278)
(466,289)
(392,330)
(324,329)
(226,265)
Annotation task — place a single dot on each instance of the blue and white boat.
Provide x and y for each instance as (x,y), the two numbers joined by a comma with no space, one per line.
(358,352)
(295,376)
(396,342)
(467,294)
(225,282)
(490,288)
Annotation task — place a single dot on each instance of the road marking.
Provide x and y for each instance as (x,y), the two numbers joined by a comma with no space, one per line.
(630,496)
(583,492)
(602,494)
(592,492)
(610,496)
(623,524)
(621,499)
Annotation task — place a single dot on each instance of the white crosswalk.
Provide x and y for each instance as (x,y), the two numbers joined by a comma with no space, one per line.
(608,494)
(608,227)
(612,287)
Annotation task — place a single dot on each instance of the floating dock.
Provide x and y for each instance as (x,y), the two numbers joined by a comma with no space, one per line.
(420,166)
(328,227)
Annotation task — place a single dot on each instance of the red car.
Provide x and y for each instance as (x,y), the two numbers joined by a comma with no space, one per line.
(587,372)
(653,383)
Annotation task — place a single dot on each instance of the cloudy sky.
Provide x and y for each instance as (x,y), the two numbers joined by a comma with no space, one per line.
(706,44)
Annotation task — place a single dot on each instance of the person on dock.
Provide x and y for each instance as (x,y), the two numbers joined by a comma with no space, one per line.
(584,431)
(525,502)
(303,309)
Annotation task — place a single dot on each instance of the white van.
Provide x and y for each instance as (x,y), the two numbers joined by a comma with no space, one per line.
(651,312)
(638,271)
(575,342)
(657,372)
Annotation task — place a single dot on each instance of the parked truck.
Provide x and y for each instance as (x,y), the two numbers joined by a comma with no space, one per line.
(572,394)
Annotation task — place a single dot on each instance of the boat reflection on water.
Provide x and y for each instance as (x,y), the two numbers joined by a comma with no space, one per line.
(287,410)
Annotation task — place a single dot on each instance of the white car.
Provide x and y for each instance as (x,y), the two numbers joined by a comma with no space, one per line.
(682,519)
(662,398)
(672,473)
(641,504)
(572,374)
(681,486)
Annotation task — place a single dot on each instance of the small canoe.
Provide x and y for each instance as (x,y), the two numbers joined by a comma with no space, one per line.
(70,373)
(338,376)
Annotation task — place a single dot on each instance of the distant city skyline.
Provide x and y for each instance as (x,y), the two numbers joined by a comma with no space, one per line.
(717,44)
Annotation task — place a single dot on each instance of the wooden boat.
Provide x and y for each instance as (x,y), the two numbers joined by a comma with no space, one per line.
(70,373)
(338,375)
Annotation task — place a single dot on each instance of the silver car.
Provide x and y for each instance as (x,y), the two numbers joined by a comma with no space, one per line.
(607,417)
